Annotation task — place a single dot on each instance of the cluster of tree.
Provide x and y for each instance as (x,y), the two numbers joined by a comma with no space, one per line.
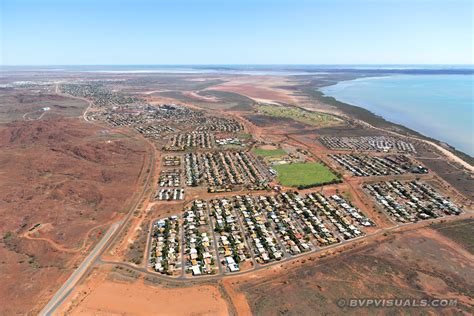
(312,185)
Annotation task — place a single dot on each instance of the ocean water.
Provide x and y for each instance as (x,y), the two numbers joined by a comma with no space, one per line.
(438,106)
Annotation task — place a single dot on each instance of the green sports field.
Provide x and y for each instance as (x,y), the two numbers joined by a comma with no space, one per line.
(297,174)
(269,152)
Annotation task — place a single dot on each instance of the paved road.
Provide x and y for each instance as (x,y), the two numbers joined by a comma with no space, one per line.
(89,102)
(214,239)
(67,287)
(109,238)
(371,236)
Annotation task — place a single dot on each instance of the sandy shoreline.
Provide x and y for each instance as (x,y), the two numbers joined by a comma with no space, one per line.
(378,121)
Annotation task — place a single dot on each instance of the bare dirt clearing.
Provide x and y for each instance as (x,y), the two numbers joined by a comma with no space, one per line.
(259,88)
(135,297)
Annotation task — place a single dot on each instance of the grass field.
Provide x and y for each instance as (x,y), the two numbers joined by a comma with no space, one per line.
(245,136)
(269,152)
(307,117)
(304,174)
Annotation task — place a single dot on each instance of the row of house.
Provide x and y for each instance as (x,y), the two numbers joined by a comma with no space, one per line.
(228,141)
(165,254)
(154,131)
(170,178)
(336,216)
(292,238)
(308,213)
(198,241)
(263,228)
(232,248)
(171,161)
(189,127)
(224,169)
(411,201)
(349,209)
(367,143)
(183,141)
(221,124)
(364,165)
(170,194)
(257,229)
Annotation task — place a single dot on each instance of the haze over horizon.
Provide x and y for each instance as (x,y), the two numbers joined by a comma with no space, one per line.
(210,32)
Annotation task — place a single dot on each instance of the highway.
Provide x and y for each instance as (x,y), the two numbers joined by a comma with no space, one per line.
(109,238)
(68,286)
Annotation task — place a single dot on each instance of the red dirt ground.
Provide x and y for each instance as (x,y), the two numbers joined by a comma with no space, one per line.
(70,177)
(99,294)
(259,88)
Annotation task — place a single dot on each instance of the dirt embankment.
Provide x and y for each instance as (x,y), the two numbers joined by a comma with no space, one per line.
(61,182)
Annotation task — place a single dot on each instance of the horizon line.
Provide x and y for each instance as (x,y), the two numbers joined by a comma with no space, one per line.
(242,64)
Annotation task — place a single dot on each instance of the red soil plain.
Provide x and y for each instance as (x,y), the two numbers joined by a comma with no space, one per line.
(259,88)
(70,177)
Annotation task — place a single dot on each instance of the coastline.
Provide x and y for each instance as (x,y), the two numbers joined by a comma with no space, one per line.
(362,114)
(438,106)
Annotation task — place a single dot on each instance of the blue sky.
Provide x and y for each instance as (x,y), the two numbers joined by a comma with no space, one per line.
(40,32)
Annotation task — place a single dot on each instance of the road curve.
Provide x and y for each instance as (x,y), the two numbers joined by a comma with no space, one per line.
(67,287)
